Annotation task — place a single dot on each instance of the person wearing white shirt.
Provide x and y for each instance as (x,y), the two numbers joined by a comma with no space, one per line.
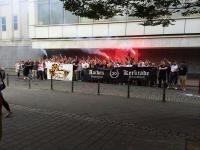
(17,69)
(173,75)
(85,65)
(41,70)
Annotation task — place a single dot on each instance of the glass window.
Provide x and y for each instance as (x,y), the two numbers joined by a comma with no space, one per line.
(133,18)
(57,12)
(119,18)
(3,23)
(43,12)
(70,18)
(15,22)
(101,20)
(3,2)
(85,20)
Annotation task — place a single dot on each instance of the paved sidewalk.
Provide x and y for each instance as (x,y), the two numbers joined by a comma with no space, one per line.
(142,92)
(52,120)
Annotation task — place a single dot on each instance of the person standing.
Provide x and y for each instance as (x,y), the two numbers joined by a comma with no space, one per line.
(26,70)
(174,75)
(182,75)
(162,75)
(17,69)
(79,71)
(1,101)
(45,68)
(168,65)
(34,71)
(4,103)
(41,70)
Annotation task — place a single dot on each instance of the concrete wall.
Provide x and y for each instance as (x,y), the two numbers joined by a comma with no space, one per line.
(10,54)
(190,55)
(15,44)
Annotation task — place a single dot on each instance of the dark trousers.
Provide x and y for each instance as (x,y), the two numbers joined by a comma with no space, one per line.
(45,74)
(40,75)
(18,74)
(161,79)
(4,103)
(78,75)
(173,78)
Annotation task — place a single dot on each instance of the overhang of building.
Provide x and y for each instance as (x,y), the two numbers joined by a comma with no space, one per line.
(9,43)
(119,42)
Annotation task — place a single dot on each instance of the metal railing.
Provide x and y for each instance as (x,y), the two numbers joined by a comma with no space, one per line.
(126,90)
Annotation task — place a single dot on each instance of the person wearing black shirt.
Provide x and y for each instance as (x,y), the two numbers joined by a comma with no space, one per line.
(162,73)
(183,69)
(26,70)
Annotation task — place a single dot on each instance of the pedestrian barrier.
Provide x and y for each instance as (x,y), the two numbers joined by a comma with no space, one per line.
(51,82)
(7,79)
(164,92)
(127,90)
(72,88)
(29,83)
(199,86)
(98,91)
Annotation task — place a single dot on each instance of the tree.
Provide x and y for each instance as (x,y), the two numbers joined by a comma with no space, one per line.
(153,12)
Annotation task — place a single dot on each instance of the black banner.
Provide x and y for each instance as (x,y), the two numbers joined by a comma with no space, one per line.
(121,75)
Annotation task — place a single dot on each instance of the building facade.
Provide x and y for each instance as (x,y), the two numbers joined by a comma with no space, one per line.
(51,27)
(15,43)
(44,24)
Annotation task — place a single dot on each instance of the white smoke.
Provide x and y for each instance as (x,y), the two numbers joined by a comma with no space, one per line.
(43,52)
(94,51)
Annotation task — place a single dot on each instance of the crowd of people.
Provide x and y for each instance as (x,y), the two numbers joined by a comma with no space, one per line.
(168,71)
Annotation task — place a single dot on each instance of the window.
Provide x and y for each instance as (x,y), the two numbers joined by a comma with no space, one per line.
(101,20)
(118,18)
(4,2)
(3,23)
(86,20)
(43,12)
(70,18)
(15,22)
(57,12)
(130,18)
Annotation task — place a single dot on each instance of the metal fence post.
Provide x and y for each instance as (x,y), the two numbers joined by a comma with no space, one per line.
(51,82)
(199,86)
(164,92)
(29,83)
(128,91)
(98,90)
(7,79)
(72,88)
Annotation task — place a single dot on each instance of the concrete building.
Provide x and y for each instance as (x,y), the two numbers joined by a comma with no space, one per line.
(50,27)
(15,43)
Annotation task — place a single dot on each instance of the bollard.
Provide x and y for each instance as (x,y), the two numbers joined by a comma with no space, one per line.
(29,83)
(72,90)
(199,86)
(51,82)
(98,90)
(7,79)
(128,91)
(164,92)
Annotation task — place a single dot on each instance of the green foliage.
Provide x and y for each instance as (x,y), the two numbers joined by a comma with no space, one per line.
(153,12)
